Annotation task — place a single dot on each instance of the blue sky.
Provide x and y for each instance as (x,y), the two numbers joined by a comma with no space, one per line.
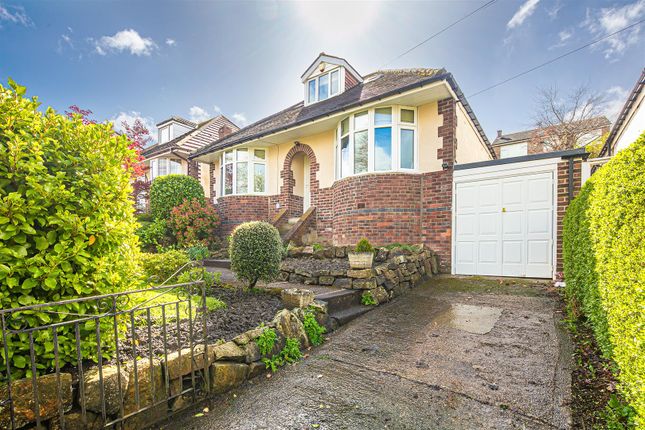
(154,59)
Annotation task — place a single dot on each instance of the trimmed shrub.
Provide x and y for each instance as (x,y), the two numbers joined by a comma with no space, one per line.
(170,191)
(67,226)
(256,251)
(194,222)
(364,245)
(158,268)
(604,251)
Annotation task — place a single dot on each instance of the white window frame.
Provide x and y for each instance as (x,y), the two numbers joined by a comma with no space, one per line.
(169,163)
(161,132)
(316,79)
(250,165)
(397,125)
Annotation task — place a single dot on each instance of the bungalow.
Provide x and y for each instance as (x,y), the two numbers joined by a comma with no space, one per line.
(393,156)
(177,138)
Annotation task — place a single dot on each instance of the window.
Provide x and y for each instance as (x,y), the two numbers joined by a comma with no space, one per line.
(323,86)
(243,171)
(164,166)
(377,140)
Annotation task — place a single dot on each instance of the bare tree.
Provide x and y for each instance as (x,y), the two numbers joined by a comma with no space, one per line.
(567,121)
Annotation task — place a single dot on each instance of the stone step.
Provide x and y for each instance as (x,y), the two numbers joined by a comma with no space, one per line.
(293,220)
(347,315)
(340,300)
(223,264)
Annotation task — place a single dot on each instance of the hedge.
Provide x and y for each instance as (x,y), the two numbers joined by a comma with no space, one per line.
(256,250)
(66,224)
(170,191)
(604,264)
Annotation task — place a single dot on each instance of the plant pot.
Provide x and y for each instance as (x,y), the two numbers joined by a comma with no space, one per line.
(360,260)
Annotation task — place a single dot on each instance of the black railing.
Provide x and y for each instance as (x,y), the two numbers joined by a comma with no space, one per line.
(135,334)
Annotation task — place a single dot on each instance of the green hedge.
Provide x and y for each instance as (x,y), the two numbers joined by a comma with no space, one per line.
(256,251)
(170,191)
(66,224)
(604,264)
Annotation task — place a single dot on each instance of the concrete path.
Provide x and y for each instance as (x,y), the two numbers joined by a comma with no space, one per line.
(452,354)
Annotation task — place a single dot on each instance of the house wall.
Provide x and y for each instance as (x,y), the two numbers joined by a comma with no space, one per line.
(429,140)
(634,125)
(471,146)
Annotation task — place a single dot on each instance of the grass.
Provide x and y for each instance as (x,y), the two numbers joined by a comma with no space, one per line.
(177,299)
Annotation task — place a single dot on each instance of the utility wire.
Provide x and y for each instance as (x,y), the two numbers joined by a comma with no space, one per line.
(439,32)
(559,57)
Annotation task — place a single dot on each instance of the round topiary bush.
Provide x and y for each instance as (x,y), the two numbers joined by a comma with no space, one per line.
(170,191)
(67,227)
(256,251)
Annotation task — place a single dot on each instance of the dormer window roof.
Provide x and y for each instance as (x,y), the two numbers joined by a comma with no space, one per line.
(328,76)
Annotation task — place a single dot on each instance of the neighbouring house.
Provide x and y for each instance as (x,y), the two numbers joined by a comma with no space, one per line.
(177,139)
(394,156)
(630,123)
(530,142)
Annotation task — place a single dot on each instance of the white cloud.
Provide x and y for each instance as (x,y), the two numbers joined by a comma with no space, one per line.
(608,20)
(130,118)
(198,114)
(240,119)
(555,10)
(14,15)
(522,13)
(216,109)
(563,37)
(65,41)
(615,98)
(171,42)
(125,40)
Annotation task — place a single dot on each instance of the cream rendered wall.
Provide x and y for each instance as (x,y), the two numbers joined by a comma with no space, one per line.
(470,145)
(429,141)
(204,178)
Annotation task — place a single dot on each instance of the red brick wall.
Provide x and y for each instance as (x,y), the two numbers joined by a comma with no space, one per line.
(193,169)
(235,210)
(563,200)
(384,208)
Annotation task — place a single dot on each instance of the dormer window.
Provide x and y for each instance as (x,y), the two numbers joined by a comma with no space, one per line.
(328,76)
(323,86)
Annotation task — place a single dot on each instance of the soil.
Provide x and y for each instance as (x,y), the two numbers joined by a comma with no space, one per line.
(246,309)
(593,382)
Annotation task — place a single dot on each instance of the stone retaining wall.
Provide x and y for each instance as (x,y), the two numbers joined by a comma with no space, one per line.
(163,385)
(394,270)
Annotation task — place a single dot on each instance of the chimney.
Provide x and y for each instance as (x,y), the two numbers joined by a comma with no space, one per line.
(499,133)
(224,131)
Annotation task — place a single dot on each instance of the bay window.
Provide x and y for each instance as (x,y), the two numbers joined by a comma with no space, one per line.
(377,140)
(243,171)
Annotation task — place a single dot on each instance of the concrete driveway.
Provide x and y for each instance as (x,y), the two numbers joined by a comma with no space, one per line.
(455,353)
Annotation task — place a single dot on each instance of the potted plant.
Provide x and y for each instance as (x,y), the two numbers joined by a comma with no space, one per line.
(363,255)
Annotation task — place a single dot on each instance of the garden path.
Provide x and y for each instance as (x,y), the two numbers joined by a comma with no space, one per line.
(454,353)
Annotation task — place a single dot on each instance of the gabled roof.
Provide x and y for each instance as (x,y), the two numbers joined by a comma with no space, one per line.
(376,86)
(180,120)
(523,136)
(205,133)
(609,145)
(325,58)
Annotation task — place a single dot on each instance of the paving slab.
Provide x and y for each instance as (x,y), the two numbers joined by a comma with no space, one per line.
(454,353)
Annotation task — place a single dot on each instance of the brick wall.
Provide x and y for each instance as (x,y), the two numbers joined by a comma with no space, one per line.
(194,169)
(350,80)
(235,210)
(564,200)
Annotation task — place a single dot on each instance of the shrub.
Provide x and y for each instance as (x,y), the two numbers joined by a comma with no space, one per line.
(170,191)
(256,251)
(154,235)
(314,330)
(266,341)
(67,227)
(604,233)
(158,268)
(364,245)
(194,222)
(289,354)
(368,299)
(200,274)
(197,252)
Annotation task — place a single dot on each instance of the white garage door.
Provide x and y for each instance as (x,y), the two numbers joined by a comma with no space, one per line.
(504,226)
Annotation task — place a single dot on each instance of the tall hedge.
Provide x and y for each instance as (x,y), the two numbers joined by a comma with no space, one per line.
(170,191)
(604,263)
(66,223)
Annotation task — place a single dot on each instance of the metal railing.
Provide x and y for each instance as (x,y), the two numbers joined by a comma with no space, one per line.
(134,330)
